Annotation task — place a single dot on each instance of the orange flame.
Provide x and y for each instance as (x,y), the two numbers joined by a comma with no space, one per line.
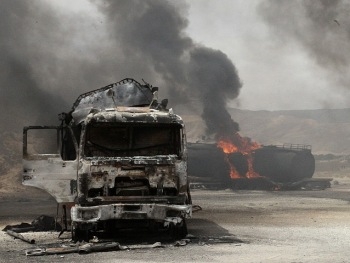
(227,147)
(246,147)
(251,173)
(233,172)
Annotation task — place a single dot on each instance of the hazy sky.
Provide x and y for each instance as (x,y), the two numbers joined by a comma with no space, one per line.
(276,73)
(288,54)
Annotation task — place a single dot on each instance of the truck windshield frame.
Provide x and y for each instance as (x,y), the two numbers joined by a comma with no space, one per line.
(103,139)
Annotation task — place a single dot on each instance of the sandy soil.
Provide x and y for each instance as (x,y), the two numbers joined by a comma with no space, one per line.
(234,226)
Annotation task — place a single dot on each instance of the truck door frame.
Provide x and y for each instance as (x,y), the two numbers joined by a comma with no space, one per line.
(50,172)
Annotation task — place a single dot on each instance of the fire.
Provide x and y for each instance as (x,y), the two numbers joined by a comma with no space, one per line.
(251,173)
(233,172)
(227,147)
(244,146)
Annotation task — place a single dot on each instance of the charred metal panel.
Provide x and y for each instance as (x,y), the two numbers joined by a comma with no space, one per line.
(52,175)
(181,174)
(179,199)
(137,115)
(127,92)
(112,179)
(49,171)
(93,214)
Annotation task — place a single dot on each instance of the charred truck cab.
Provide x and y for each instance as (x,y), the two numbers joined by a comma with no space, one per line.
(121,162)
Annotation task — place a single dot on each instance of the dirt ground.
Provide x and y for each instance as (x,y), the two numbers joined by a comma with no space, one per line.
(233,226)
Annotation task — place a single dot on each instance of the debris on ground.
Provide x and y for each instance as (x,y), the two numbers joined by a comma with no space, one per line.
(103,246)
(42,223)
(19,236)
(82,249)
(85,248)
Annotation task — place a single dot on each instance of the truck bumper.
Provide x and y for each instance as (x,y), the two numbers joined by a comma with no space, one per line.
(159,212)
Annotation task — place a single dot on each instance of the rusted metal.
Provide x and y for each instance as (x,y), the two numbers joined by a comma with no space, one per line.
(88,248)
(51,251)
(122,155)
(19,236)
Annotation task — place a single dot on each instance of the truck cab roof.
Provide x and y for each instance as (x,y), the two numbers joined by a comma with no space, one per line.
(134,114)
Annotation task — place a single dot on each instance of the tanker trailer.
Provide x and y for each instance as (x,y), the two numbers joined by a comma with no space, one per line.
(277,167)
(207,166)
(284,164)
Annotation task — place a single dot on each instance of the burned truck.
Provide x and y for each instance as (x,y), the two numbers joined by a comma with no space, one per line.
(119,161)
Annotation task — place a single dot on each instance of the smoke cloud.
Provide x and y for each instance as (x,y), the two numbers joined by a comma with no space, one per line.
(49,57)
(22,94)
(152,33)
(321,28)
(44,63)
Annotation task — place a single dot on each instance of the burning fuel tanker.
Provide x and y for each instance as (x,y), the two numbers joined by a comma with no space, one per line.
(287,163)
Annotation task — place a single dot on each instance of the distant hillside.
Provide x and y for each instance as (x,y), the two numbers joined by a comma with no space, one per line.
(328,131)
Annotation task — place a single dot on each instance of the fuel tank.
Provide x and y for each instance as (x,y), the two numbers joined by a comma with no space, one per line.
(284,164)
(208,163)
(281,164)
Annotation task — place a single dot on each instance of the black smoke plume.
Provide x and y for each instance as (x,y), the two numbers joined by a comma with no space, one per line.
(24,98)
(48,58)
(151,33)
